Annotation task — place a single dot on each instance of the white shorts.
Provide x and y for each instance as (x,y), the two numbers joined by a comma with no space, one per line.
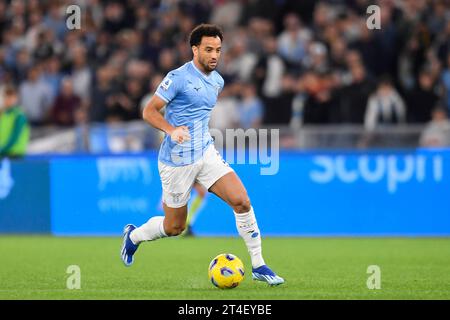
(177,182)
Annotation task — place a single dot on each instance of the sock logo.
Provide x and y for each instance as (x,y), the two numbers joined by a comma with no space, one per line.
(254,235)
(246,225)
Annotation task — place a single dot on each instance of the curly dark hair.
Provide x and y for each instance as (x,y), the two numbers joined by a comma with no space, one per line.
(204,30)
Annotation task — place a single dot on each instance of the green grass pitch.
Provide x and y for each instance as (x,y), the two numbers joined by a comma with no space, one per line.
(34,267)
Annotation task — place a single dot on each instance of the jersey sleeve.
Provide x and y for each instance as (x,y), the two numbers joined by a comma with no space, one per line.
(169,87)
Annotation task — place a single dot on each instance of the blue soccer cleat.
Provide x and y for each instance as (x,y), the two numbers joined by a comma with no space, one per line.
(128,247)
(264,273)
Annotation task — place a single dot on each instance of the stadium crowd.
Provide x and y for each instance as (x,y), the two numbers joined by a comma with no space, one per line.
(284,62)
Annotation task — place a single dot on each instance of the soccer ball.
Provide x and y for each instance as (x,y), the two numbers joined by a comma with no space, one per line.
(226,271)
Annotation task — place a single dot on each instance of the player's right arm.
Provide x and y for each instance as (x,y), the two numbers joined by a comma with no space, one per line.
(153,116)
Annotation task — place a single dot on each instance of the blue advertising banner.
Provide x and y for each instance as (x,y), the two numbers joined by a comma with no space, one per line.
(383,193)
(24,196)
(100,195)
(377,193)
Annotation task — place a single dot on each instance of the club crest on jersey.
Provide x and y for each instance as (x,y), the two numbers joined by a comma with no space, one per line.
(166,84)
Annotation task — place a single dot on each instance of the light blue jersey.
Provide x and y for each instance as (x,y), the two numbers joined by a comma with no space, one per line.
(190,96)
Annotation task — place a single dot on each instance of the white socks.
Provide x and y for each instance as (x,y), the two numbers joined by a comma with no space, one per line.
(151,230)
(245,223)
(249,231)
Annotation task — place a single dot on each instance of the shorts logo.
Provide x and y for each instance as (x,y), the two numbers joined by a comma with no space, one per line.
(166,84)
(176,197)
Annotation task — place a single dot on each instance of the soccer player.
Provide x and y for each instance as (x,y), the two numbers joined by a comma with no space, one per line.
(188,155)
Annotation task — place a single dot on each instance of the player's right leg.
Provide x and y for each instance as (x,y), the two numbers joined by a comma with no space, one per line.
(177,185)
(172,224)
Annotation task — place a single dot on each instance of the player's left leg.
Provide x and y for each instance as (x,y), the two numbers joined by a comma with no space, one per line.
(230,189)
(218,178)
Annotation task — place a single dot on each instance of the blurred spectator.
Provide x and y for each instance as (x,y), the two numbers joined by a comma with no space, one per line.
(154,83)
(130,41)
(34,28)
(227,13)
(23,62)
(446,83)
(102,49)
(55,20)
(240,63)
(385,106)
(353,98)
(320,102)
(338,53)
(293,41)
(315,61)
(81,74)
(422,99)
(104,87)
(387,42)
(125,105)
(225,114)
(53,76)
(66,105)
(3,18)
(3,67)
(368,49)
(35,97)
(442,35)
(249,108)
(317,58)
(14,128)
(259,30)
(152,46)
(437,131)
(167,60)
(115,18)
(134,93)
(268,75)
(43,48)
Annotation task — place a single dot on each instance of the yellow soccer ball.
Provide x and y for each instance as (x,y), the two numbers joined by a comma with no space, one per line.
(226,271)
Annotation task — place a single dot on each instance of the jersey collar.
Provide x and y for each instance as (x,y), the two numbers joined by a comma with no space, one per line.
(201,73)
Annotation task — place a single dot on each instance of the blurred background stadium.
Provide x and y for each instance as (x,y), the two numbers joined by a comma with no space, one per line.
(359,110)
(307,67)
(362,113)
